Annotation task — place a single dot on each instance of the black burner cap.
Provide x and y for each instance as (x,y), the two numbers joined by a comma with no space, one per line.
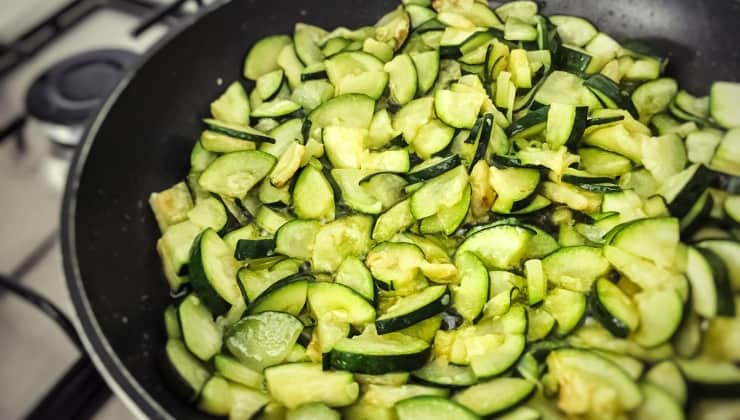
(75,88)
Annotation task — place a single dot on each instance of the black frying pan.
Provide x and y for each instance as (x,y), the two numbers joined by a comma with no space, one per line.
(140,143)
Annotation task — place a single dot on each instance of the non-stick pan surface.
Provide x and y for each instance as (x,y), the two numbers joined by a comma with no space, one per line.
(140,143)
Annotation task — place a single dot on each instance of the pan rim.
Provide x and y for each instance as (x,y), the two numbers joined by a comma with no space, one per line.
(134,396)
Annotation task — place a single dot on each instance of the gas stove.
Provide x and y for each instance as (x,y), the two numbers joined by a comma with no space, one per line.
(59,59)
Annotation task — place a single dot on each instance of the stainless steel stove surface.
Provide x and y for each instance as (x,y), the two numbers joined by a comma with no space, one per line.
(36,352)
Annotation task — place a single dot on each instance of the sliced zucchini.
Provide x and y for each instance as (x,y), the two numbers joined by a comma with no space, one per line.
(239,131)
(307,39)
(702,144)
(441,372)
(412,309)
(184,373)
(213,272)
(493,345)
(395,220)
(353,274)
(574,368)
(335,389)
(389,395)
(574,30)
(395,265)
(373,354)
(610,94)
(512,245)
(215,397)
(349,110)
(429,407)
(655,239)
(657,403)
(402,81)
(667,376)
(566,125)
(324,297)
(661,312)
(427,69)
(509,393)
(711,290)
(723,99)
(458,109)
(353,193)
(199,331)
(313,411)
(470,296)
(573,59)
(263,340)
(235,371)
(614,309)
(279,108)
(575,268)
(232,106)
(448,219)
(567,307)
(313,196)
(725,159)
(432,138)
(262,57)
(234,174)
(287,295)
(357,72)
(437,193)
(340,239)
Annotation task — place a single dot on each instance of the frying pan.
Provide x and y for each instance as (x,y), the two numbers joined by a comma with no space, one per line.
(141,140)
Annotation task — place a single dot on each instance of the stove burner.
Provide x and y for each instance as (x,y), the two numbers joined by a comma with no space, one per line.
(74,89)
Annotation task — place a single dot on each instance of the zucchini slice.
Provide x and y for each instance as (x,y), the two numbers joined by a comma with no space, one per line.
(725,159)
(566,125)
(339,239)
(237,130)
(235,371)
(199,331)
(458,109)
(375,355)
(567,307)
(287,295)
(232,106)
(402,81)
(263,340)
(335,389)
(213,272)
(430,407)
(723,101)
(512,242)
(412,309)
(661,312)
(441,372)
(509,393)
(615,310)
(471,295)
(575,268)
(182,371)
(349,110)
(313,196)
(655,239)
(324,297)
(711,291)
(657,404)
(234,174)
(353,274)
(263,56)
(667,376)
(610,94)
(588,369)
